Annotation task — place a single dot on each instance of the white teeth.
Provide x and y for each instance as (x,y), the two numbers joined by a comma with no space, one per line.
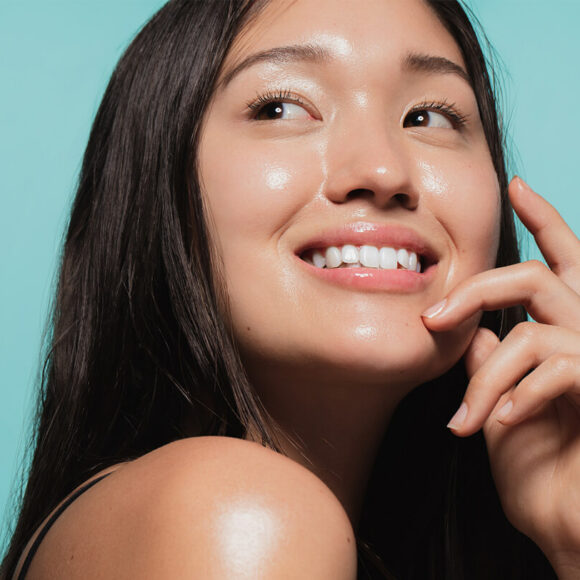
(349,256)
(403,258)
(388,258)
(369,256)
(333,257)
(318,259)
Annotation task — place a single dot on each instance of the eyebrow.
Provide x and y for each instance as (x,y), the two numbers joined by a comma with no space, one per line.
(280,55)
(413,62)
(424,63)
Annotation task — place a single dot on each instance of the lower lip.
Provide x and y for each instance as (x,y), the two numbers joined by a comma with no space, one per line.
(374,280)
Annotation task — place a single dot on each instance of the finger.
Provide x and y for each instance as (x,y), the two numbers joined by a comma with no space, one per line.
(526,453)
(558,375)
(484,342)
(531,284)
(527,346)
(557,242)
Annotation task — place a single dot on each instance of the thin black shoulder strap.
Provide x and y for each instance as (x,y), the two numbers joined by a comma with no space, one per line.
(35,545)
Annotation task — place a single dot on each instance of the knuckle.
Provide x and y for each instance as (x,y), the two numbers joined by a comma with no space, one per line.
(533,388)
(562,363)
(538,274)
(525,331)
(536,267)
(478,388)
(475,384)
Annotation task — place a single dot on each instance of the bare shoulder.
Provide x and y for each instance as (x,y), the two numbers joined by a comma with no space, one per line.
(208,507)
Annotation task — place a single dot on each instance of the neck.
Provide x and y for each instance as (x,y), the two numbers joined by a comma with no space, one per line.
(334,429)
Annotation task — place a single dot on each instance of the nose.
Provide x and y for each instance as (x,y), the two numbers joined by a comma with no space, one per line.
(370,162)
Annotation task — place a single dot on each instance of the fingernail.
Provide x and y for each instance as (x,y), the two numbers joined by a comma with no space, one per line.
(435,309)
(521,183)
(459,418)
(504,411)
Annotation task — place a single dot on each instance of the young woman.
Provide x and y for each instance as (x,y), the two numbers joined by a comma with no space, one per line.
(290,218)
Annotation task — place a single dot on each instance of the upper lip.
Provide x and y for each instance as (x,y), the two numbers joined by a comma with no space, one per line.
(372,234)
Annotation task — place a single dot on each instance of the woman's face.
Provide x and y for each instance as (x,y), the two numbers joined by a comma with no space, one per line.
(341,123)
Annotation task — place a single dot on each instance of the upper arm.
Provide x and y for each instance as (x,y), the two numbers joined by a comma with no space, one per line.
(203,508)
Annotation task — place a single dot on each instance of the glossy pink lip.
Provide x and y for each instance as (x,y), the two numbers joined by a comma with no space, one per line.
(361,233)
(370,279)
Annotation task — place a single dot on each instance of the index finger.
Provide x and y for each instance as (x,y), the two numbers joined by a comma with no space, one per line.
(539,290)
(557,242)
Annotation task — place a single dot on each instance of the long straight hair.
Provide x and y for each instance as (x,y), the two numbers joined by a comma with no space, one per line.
(140,351)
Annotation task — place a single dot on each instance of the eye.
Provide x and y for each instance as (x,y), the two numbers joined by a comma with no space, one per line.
(437,115)
(280,110)
(427,119)
(282,105)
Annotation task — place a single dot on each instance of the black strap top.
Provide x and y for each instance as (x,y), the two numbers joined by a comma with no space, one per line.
(50,522)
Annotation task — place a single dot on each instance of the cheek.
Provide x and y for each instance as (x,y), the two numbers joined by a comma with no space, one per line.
(467,200)
(252,192)
(250,201)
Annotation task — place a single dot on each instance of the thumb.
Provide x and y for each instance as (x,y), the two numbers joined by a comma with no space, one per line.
(482,345)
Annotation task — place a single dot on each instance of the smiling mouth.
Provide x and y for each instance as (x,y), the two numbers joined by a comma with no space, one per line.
(378,258)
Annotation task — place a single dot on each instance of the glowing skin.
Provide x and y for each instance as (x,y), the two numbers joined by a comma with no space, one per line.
(374,149)
(347,154)
(246,535)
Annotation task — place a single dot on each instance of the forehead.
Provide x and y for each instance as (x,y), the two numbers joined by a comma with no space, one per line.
(348,29)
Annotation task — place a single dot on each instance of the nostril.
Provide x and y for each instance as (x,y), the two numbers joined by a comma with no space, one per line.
(359,194)
(402,199)
(405,200)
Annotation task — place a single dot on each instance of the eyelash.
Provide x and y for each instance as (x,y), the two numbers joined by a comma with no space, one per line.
(450,110)
(285,96)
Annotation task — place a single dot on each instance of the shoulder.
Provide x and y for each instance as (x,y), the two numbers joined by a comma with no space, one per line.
(208,507)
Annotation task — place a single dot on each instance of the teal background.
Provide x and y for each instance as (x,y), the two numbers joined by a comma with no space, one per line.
(55,59)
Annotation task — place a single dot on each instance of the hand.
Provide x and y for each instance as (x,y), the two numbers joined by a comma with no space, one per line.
(531,421)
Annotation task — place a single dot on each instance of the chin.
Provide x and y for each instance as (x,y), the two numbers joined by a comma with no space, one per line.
(408,360)
(399,354)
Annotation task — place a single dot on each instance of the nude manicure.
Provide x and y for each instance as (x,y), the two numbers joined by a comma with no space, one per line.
(504,411)
(459,418)
(435,309)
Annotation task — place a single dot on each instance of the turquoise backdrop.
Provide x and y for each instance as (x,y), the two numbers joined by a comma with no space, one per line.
(55,59)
